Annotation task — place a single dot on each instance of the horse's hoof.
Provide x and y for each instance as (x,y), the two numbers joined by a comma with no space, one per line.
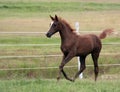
(73,80)
(58,78)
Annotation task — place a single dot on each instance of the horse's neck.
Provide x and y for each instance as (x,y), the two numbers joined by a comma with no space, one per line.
(66,34)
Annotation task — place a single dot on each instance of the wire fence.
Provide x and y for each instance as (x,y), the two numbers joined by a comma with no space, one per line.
(5,45)
(46,56)
(42,68)
(39,56)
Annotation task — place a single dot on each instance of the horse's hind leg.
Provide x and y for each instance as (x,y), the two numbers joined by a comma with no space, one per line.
(82,67)
(95,57)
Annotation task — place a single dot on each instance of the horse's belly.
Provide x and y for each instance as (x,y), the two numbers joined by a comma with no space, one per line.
(83,53)
(85,50)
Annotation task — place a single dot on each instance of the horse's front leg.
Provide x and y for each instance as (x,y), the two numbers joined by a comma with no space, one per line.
(65,60)
(60,68)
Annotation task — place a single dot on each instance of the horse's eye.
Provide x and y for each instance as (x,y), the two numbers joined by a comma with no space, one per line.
(54,25)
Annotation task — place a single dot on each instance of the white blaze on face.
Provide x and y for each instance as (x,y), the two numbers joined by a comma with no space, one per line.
(51,23)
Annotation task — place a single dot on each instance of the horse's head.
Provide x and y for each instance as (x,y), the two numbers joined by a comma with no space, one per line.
(55,27)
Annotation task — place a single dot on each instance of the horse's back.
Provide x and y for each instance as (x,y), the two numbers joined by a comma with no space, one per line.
(89,43)
(91,38)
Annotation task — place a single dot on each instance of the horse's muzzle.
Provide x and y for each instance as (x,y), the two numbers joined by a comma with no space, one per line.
(48,35)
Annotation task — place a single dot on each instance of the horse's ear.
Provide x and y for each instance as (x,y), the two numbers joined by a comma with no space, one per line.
(52,18)
(56,18)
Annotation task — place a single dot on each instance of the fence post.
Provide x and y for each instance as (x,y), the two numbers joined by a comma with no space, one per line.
(77,30)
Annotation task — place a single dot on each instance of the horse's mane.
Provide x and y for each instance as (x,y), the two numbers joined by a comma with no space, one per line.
(66,23)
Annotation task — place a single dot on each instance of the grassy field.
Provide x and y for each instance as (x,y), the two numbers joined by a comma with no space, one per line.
(33,16)
(38,85)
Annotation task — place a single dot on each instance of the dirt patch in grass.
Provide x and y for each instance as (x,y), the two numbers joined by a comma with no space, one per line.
(88,21)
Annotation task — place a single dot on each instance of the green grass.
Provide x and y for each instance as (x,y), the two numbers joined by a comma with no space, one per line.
(38,85)
(43,40)
(28,40)
(8,9)
(58,6)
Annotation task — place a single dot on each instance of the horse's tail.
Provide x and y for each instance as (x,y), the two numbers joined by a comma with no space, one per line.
(105,33)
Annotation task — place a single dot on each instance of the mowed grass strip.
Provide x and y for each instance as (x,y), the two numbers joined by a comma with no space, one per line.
(44,7)
(42,39)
